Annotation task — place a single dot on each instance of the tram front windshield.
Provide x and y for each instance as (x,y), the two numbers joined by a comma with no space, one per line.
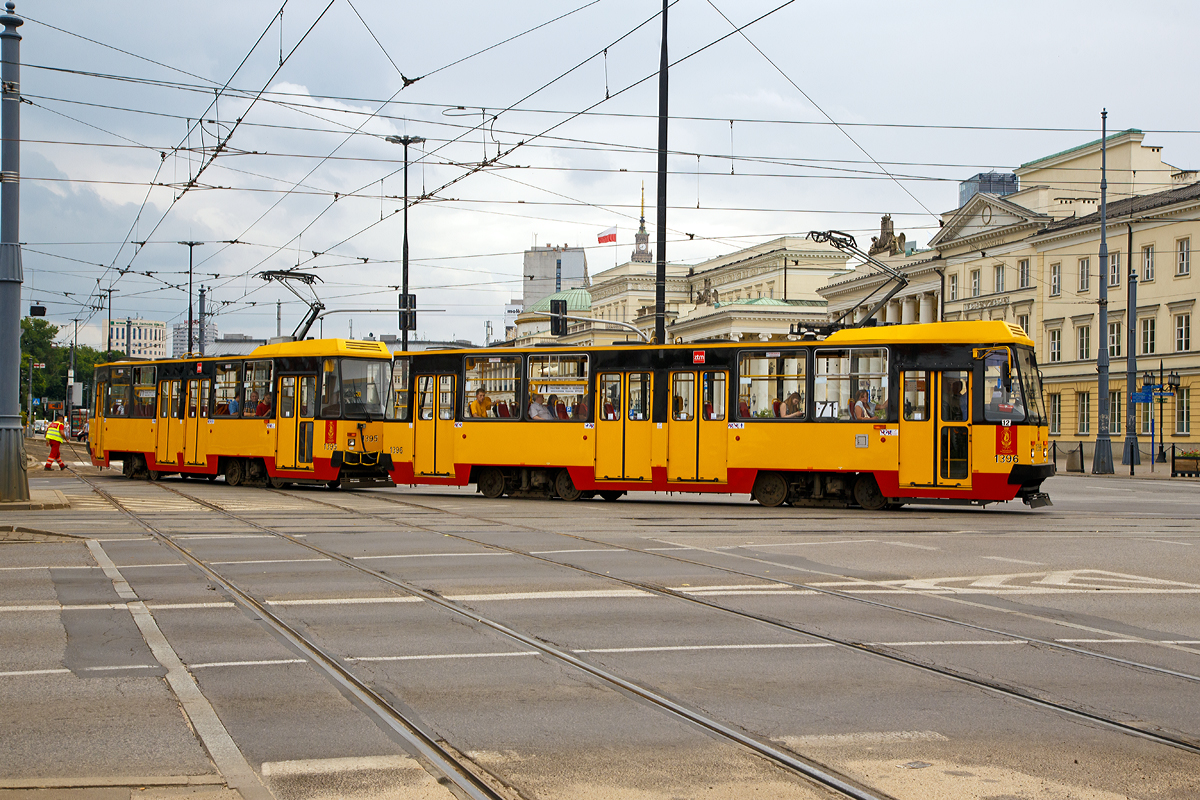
(1031,386)
(364,387)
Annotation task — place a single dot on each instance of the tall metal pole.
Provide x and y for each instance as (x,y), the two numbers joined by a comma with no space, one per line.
(1102,460)
(660,273)
(202,321)
(14,482)
(71,380)
(108,332)
(191,247)
(1162,420)
(406,141)
(1132,454)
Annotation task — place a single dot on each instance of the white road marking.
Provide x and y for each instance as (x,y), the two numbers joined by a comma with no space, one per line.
(270,561)
(810,544)
(1164,541)
(263,663)
(204,720)
(21,673)
(698,647)
(578,550)
(441,656)
(56,607)
(1013,560)
(582,594)
(329,766)
(909,544)
(194,536)
(833,740)
(344,601)
(432,555)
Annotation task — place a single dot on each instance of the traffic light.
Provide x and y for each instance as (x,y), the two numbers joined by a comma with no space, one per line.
(408,312)
(558,317)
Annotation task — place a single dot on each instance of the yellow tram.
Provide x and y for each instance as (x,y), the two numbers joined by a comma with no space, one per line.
(943,412)
(296,412)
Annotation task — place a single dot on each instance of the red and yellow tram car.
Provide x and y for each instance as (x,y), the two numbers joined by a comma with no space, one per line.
(296,412)
(943,412)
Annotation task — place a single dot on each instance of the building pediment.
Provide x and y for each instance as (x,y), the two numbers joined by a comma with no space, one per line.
(986,217)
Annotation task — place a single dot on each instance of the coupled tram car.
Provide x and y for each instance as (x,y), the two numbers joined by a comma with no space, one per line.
(296,412)
(873,417)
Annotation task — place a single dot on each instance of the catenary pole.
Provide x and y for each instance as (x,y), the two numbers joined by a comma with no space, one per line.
(405,141)
(191,246)
(660,272)
(202,292)
(1102,460)
(14,481)
(1132,454)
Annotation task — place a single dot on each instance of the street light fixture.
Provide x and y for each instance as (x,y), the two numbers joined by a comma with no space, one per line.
(406,141)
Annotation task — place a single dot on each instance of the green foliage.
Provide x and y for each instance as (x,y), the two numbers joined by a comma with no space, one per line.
(37,345)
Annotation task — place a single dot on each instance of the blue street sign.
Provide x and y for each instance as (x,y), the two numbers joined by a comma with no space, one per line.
(1164,394)
(1144,396)
(37,401)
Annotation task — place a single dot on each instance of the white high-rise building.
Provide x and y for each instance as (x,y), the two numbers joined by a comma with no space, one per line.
(146,338)
(179,337)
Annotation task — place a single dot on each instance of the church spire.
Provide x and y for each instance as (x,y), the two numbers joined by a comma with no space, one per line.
(641,252)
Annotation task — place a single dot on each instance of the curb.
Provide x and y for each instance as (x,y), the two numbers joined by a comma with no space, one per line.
(39,500)
(19,533)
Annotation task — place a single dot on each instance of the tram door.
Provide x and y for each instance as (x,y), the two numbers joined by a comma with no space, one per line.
(434,442)
(196,422)
(697,437)
(297,408)
(169,436)
(953,429)
(623,425)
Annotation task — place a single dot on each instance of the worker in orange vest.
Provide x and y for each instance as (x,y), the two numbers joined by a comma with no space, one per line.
(56,434)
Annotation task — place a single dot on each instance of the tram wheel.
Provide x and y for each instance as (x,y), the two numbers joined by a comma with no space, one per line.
(491,483)
(127,467)
(153,474)
(279,483)
(235,472)
(612,495)
(867,494)
(565,487)
(336,483)
(770,489)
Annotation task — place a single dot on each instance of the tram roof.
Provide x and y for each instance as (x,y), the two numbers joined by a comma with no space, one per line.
(307,347)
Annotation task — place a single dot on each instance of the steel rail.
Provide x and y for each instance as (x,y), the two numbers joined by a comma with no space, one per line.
(674,708)
(441,759)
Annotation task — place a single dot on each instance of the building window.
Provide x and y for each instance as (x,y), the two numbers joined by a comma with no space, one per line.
(1148,336)
(1056,345)
(1148,263)
(1114,340)
(1114,269)
(1115,412)
(953,287)
(999,277)
(1183,414)
(1083,336)
(1085,276)
(1023,321)
(1055,409)
(1183,260)
(1183,333)
(1147,419)
(975,281)
(1023,273)
(1084,401)
(1055,280)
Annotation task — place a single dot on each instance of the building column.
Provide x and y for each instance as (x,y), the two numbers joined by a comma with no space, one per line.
(928,307)
(908,310)
(892,314)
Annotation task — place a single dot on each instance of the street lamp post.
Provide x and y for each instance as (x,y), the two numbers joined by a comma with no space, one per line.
(191,246)
(406,141)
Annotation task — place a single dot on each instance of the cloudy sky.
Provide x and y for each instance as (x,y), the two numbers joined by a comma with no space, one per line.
(540,121)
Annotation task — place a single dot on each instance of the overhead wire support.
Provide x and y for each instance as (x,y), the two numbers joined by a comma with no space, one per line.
(846,243)
(315,306)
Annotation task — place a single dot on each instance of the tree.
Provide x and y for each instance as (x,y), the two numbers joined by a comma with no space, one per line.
(37,345)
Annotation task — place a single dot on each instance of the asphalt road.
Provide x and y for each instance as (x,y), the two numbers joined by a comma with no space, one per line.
(922,653)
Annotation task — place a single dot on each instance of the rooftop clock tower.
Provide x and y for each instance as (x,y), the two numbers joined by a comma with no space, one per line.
(642,254)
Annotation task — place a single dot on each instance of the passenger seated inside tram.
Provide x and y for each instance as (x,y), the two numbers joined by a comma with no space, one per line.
(537,408)
(235,404)
(862,407)
(792,407)
(251,409)
(482,404)
(264,408)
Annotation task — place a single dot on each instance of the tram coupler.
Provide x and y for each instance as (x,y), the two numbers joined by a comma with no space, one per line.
(1037,500)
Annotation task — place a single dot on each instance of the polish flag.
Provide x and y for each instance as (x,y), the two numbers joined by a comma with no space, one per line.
(609,235)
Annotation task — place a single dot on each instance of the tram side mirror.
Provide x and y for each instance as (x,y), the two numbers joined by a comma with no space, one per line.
(1006,376)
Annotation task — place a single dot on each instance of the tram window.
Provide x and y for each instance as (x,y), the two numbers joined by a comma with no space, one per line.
(609,401)
(490,385)
(956,396)
(228,395)
(308,396)
(398,407)
(117,401)
(257,386)
(771,385)
(841,377)
(145,392)
(714,395)
(364,384)
(425,397)
(445,397)
(683,396)
(1031,386)
(175,398)
(193,399)
(563,381)
(639,395)
(1001,403)
(287,397)
(916,396)
(331,396)
(954,456)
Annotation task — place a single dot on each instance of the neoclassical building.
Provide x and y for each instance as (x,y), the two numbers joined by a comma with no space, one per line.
(1032,258)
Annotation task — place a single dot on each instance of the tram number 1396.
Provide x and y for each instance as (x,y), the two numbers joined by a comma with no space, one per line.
(1002,459)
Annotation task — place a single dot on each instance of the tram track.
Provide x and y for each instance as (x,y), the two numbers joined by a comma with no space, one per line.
(444,759)
(1023,694)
